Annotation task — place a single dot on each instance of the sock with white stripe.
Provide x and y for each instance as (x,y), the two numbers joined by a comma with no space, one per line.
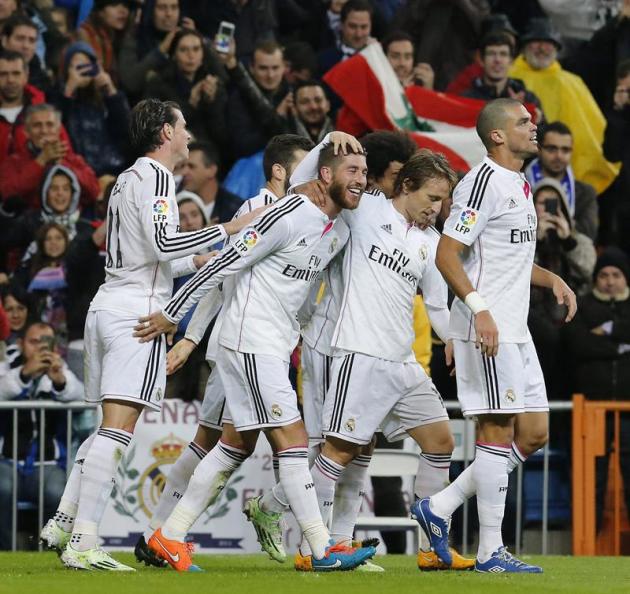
(325,473)
(297,484)
(205,486)
(176,484)
(491,479)
(98,478)
(69,502)
(431,478)
(349,494)
(516,457)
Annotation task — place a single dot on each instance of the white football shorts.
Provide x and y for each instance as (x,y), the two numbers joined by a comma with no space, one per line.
(257,390)
(118,366)
(510,383)
(316,368)
(214,411)
(367,393)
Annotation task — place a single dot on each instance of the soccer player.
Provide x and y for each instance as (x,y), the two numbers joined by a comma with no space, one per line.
(374,377)
(275,261)
(486,254)
(122,374)
(282,154)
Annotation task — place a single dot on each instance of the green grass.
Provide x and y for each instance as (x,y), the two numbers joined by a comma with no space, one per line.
(255,574)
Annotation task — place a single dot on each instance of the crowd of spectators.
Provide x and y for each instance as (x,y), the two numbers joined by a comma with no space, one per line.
(72,70)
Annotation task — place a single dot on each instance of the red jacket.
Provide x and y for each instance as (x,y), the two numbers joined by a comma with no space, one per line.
(5,328)
(21,176)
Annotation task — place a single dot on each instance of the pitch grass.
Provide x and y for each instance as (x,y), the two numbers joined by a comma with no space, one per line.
(255,574)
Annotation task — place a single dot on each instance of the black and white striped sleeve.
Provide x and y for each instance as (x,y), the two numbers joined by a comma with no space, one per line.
(269,233)
(160,218)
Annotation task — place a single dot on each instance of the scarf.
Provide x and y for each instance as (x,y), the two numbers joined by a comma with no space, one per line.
(534,174)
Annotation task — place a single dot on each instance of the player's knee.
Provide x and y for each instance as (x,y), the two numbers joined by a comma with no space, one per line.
(533,441)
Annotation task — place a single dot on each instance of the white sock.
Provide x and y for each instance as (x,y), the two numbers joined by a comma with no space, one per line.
(448,500)
(431,478)
(98,477)
(204,487)
(349,494)
(491,478)
(325,473)
(274,500)
(516,457)
(297,484)
(69,503)
(175,486)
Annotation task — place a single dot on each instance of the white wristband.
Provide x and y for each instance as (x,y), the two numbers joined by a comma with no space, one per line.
(475,302)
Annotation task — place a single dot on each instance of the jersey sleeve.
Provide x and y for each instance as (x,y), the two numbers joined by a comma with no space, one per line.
(433,285)
(267,233)
(207,309)
(307,168)
(160,221)
(183,266)
(474,204)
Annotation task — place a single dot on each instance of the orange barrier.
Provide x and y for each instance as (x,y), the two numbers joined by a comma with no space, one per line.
(589,441)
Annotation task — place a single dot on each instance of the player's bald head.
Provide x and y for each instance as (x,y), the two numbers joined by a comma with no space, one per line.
(494,116)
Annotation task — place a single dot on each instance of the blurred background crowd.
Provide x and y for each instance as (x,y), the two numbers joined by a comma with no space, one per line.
(71,70)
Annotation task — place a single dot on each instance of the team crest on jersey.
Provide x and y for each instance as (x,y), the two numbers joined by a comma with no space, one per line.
(276,411)
(160,210)
(423,252)
(510,396)
(333,246)
(247,240)
(350,425)
(512,203)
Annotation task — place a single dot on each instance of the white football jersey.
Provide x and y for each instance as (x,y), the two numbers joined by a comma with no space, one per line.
(385,262)
(493,213)
(142,239)
(279,255)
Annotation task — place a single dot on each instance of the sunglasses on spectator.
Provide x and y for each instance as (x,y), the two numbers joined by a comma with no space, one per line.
(552,148)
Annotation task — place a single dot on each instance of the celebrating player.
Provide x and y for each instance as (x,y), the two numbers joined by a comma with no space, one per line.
(276,259)
(122,374)
(486,254)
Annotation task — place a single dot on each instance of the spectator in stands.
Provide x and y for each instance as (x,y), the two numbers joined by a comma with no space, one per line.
(193,79)
(15,96)
(400,52)
(7,8)
(96,114)
(598,342)
(497,54)
(563,250)
(260,101)
(40,375)
(354,34)
(20,35)
(493,23)
(43,275)
(255,21)
(17,305)
(445,33)
(104,30)
(565,97)
(300,62)
(22,174)
(310,116)
(555,149)
(616,202)
(200,175)
(146,46)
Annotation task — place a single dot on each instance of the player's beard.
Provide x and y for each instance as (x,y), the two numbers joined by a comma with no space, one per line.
(337,192)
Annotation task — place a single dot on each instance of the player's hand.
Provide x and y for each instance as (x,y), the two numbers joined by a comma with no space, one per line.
(237,225)
(345,143)
(564,295)
(152,326)
(315,191)
(178,355)
(486,334)
(448,357)
(202,259)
